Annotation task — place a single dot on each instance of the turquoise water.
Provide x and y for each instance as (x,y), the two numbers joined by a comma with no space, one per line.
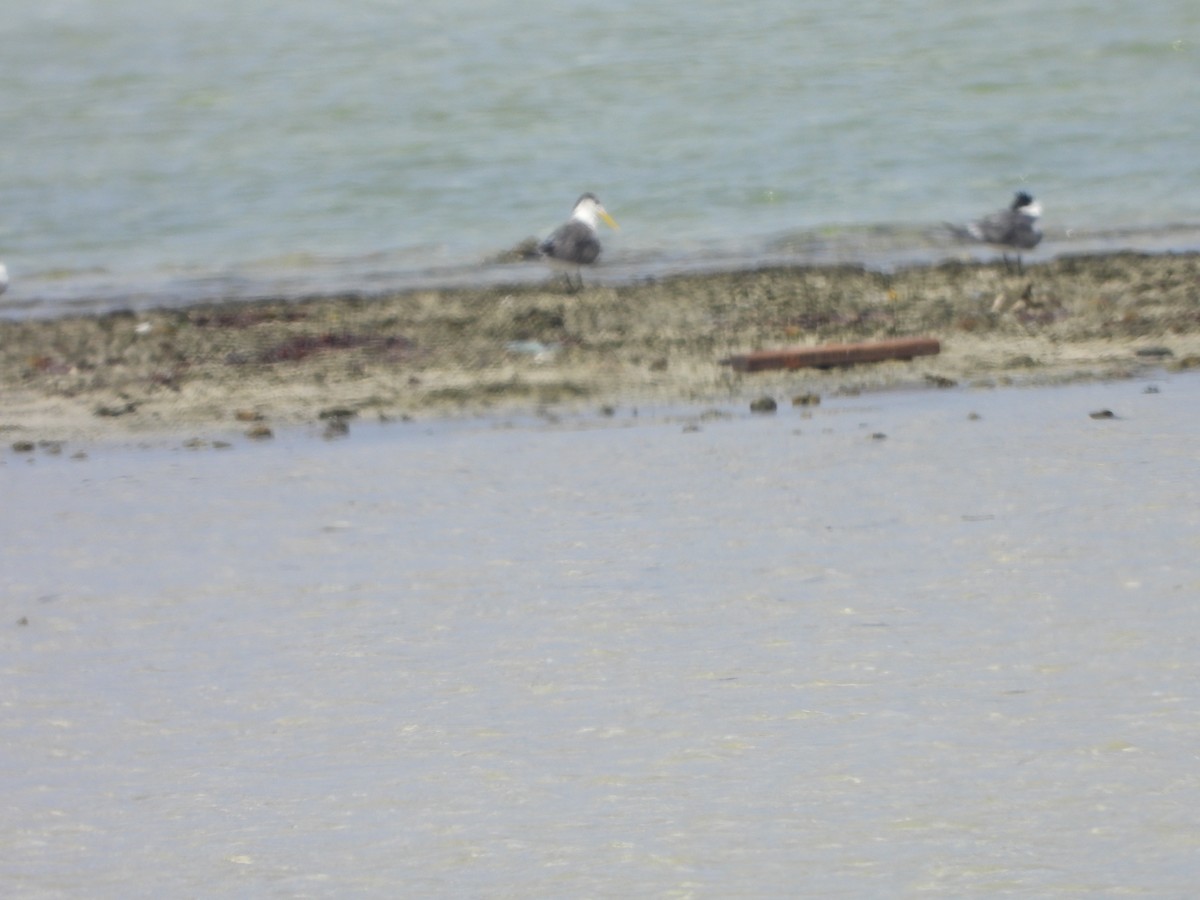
(158,152)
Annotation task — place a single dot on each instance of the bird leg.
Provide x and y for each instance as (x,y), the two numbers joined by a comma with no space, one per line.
(1010,263)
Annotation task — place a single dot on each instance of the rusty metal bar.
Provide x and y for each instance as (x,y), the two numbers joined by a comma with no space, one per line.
(829,355)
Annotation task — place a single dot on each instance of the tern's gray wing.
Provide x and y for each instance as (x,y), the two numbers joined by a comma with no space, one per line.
(573,243)
(1009,228)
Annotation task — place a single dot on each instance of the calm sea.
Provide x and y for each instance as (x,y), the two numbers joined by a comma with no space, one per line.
(171,151)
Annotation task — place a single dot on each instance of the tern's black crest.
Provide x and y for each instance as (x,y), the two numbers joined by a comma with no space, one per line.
(1021,200)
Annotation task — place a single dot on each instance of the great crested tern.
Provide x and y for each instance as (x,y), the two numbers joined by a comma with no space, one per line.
(1014,228)
(574,243)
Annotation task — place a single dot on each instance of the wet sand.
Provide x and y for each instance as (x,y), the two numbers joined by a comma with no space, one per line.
(935,643)
(252,367)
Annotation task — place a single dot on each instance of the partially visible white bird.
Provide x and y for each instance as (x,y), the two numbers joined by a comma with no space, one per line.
(574,244)
(1013,228)
(3,278)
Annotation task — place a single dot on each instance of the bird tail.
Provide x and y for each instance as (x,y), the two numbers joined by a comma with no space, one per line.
(962,232)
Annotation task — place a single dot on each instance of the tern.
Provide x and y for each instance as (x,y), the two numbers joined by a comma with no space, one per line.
(1014,228)
(574,244)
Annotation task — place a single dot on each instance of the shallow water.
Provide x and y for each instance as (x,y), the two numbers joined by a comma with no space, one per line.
(197,149)
(658,654)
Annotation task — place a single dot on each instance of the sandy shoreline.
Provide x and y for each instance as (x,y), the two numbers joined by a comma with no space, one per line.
(938,639)
(247,366)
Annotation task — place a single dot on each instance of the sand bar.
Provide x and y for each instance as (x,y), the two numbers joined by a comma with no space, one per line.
(229,368)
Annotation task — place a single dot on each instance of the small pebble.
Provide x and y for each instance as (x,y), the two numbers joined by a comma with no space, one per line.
(809,399)
(940,381)
(259,433)
(763,405)
(114,411)
(1103,414)
(336,428)
(1022,362)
